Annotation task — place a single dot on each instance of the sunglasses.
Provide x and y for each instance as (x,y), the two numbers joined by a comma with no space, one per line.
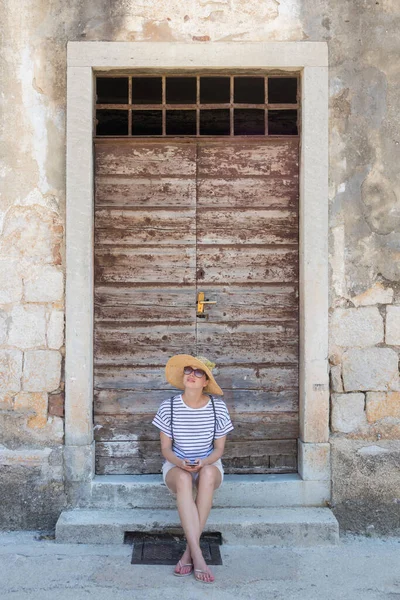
(197,372)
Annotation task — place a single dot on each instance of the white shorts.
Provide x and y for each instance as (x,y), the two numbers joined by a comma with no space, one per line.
(167,466)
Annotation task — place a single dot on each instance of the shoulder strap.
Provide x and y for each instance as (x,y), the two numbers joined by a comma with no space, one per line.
(172,417)
(215,418)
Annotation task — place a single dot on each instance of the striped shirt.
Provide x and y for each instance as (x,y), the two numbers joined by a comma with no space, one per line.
(193,428)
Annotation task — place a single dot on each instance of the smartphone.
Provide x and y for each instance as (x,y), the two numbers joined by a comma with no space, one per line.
(192,462)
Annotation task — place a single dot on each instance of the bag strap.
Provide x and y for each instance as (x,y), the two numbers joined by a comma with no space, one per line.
(215,419)
(172,417)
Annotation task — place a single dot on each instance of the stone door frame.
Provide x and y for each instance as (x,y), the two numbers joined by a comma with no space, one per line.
(84,59)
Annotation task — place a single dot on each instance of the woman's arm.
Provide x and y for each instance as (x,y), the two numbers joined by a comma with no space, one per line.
(169,454)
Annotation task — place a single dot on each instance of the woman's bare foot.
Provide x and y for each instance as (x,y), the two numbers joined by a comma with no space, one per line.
(185,565)
(201,570)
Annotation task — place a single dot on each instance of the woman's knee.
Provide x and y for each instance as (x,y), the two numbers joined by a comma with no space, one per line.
(183,479)
(177,479)
(210,476)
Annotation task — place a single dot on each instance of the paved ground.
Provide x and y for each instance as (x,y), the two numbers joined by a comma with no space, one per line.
(356,569)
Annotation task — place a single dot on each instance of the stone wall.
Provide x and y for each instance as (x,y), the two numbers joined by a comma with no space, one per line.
(364,257)
(365,412)
(364,229)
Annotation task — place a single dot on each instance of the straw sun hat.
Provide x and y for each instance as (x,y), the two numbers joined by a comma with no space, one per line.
(174,371)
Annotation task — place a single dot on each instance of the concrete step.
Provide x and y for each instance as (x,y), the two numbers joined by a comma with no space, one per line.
(148,491)
(248,526)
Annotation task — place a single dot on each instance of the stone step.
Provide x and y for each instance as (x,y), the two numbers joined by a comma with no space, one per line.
(248,526)
(148,491)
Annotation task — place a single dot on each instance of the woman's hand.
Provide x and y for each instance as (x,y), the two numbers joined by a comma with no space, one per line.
(186,465)
(194,468)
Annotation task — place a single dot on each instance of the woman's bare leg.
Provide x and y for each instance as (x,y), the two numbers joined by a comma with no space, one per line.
(209,480)
(180,483)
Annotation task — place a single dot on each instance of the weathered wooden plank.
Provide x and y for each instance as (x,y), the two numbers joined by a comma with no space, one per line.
(232,303)
(152,226)
(287,464)
(145,191)
(145,265)
(132,449)
(244,400)
(283,462)
(272,159)
(144,304)
(256,377)
(145,313)
(242,457)
(145,378)
(137,466)
(145,159)
(123,402)
(248,426)
(249,343)
(132,377)
(267,192)
(230,264)
(255,303)
(239,226)
(128,466)
(144,296)
(128,402)
(264,425)
(144,344)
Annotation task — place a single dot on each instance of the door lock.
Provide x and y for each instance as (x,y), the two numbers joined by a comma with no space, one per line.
(200,305)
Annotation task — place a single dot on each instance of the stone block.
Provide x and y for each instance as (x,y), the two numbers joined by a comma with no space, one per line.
(32,235)
(79,462)
(6,400)
(377,294)
(56,405)
(356,327)
(348,412)
(366,484)
(10,282)
(256,491)
(42,371)
(393,325)
(36,403)
(314,409)
(18,432)
(10,370)
(370,369)
(54,430)
(336,378)
(44,284)
(3,326)
(27,327)
(32,491)
(314,461)
(55,330)
(306,526)
(380,405)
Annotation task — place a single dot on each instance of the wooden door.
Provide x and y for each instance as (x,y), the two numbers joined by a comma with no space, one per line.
(247,256)
(172,219)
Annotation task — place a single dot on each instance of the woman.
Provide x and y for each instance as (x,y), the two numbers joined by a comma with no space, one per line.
(193,428)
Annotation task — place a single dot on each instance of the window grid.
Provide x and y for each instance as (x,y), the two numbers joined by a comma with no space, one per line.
(198,106)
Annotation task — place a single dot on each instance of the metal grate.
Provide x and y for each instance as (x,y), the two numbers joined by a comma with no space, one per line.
(167,549)
(196,105)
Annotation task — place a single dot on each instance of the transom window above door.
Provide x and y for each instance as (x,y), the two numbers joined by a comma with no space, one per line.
(197,105)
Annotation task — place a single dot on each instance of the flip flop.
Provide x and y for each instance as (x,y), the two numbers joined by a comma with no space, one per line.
(199,579)
(181,567)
